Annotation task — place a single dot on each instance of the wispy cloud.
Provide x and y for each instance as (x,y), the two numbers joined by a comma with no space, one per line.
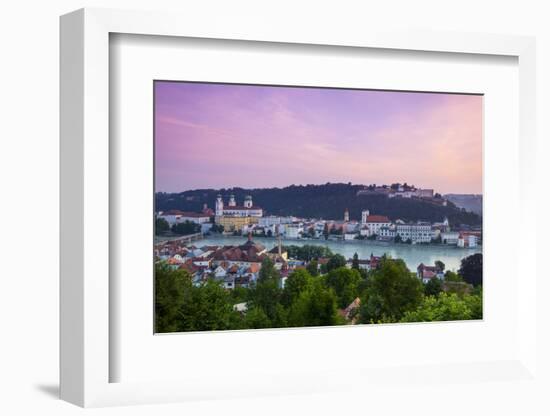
(224,135)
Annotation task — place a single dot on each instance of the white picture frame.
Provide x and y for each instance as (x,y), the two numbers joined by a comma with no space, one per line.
(85,201)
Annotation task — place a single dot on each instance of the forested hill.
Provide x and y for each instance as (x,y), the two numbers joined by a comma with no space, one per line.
(320,201)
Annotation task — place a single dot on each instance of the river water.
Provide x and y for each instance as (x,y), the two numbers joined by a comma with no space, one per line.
(413,255)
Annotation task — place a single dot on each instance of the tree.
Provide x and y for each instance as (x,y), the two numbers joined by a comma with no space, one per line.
(336,261)
(256,318)
(239,294)
(268,270)
(446,307)
(207,307)
(397,239)
(336,231)
(299,281)
(186,228)
(315,307)
(182,306)
(471,269)
(217,228)
(440,265)
(326,231)
(452,277)
(475,303)
(313,268)
(345,283)
(433,288)
(161,226)
(266,293)
(170,287)
(307,252)
(355,262)
(391,290)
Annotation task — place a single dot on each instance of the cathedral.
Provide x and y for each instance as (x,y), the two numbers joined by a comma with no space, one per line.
(248,209)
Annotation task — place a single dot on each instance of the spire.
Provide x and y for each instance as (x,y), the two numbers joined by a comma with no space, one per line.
(279,244)
(219,205)
(364,216)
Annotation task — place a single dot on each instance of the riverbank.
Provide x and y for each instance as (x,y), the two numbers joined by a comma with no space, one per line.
(413,255)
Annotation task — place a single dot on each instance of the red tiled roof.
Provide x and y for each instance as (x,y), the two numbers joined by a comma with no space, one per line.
(428,274)
(377,218)
(254,268)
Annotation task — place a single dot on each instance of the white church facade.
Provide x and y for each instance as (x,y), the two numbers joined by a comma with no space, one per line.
(248,209)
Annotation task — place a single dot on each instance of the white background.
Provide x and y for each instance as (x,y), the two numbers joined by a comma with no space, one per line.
(29,172)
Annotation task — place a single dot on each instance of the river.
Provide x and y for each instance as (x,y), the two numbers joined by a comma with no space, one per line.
(413,255)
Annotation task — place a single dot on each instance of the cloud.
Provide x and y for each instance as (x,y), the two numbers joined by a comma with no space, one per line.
(266,136)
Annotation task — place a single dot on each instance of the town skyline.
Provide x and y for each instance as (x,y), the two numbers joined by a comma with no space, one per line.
(213,136)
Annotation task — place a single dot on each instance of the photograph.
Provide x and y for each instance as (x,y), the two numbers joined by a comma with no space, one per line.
(282,206)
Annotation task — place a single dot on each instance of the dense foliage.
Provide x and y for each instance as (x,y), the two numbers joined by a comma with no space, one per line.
(326,201)
(390,293)
(446,307)
(471,269)
(186,228)
(161,226)
(307,252)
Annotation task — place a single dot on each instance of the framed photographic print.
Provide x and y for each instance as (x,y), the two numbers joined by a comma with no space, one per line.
(227,197)
(280,206)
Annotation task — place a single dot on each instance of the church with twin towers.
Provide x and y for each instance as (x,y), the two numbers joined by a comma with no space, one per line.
(247,209)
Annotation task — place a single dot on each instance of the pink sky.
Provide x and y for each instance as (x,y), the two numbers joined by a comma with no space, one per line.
(224,136)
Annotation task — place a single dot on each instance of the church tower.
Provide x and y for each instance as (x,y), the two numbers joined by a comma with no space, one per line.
(346,215)
(279,241)
(364,215)
(232,202)
(248,201)
(219,206)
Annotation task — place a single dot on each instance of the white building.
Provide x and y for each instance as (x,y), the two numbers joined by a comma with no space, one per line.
(351,227)
(425,193)
(449,237)
(293,230)
(275,220)
(175,216)
(420,232)
(409,192)
(364,215)
(467,240)
(373,223)
(219,272)
(248,209)
(387,232)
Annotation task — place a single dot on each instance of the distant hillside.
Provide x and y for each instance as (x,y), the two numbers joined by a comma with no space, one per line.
(470,202)
(320,201)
